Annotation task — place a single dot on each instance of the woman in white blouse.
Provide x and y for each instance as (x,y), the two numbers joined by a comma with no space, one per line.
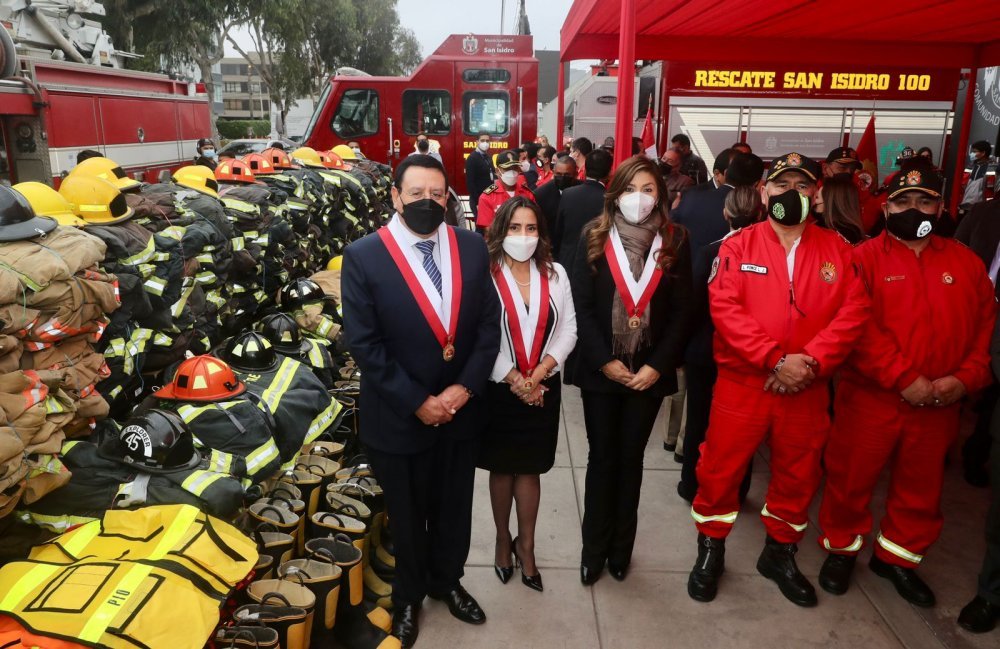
(537,331)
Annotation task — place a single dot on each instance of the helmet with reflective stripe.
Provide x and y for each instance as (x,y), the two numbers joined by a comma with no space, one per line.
(157,441)
(250,351)
(278,158)
(48,202)
(202,378)
(105,169)
(94,200)
(307,156)
(345,152)
(283,332)
(199,178)
(234,171)
(259,164)
(299,292)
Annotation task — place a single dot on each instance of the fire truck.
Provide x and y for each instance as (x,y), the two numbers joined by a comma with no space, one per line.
(472,85)
(62,90)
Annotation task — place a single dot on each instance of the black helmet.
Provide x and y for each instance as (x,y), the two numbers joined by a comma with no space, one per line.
(157,441)
(283,332)
(299,292)
(17,217)
(250,352)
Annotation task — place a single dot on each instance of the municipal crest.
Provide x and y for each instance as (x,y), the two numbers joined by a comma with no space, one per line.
(715,270)
(947,278)
(913,178)
(470,44)
(794,160)
(828,272)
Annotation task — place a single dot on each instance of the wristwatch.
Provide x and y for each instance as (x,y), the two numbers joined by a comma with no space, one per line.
(779,365)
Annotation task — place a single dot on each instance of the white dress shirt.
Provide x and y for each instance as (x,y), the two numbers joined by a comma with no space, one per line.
(442,258)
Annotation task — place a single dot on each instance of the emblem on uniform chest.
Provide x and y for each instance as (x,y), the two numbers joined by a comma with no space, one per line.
(947,278)
(828,272)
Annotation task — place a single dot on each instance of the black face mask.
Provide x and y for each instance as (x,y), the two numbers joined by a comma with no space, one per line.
(789,208)
(666,169)
(423,216)
(910,225)
(742,221)
(563,182)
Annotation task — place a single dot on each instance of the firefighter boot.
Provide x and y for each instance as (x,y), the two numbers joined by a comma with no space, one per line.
(908,584)
(355,627)
(323,579)
(777,563)
(284,612)
(703,583)
(378,591)
(835,575)
(247,637)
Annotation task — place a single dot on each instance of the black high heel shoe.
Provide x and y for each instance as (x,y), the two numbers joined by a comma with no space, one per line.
(534,582)
(504,573)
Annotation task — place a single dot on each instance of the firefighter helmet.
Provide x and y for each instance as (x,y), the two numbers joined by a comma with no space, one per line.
(259,164)
(331,160)
(307,156)
(283,332)
(202,378)
(105,169)
(234,171)
(199,178)
(157,441)
(250,352)
(17,217)
(298,292)
(48,202)
(94,200)
(336,263)
(279,158)
(345,152)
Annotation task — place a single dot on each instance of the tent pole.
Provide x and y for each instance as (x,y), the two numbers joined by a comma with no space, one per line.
(963,142)
(624,122)
(557,141)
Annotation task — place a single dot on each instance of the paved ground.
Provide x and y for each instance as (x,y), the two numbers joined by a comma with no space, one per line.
(652,609)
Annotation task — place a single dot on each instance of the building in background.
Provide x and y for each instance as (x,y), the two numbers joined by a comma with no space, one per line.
(244,95)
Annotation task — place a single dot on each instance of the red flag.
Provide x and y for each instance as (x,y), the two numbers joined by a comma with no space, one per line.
(868,154)
(648,140)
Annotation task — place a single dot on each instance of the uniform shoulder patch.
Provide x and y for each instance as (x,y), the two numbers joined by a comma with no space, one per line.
(489,190)
(715,269)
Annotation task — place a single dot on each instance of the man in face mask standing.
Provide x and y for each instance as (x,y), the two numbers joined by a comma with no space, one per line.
(510,183)
(926,346)
(207,155)
(788,305)
(549,195)
(421,319)
(479,172)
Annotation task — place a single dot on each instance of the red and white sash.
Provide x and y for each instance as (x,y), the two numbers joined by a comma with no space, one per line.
(635,294)
(527,325)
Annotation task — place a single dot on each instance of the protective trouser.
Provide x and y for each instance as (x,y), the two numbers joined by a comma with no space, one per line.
(873,428)
(795,426)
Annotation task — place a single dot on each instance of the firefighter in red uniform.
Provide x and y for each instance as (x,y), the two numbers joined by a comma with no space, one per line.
(509,184)
(787,304)
(926,346)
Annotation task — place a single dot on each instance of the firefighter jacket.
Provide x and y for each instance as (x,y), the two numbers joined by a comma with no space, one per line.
(303,409)
(100,483)
(932,315)
(156,577)
(59,255)
(761,314)
(493,197)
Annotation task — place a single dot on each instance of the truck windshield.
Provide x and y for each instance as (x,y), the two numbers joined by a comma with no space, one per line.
(486,113)
(317,109)
(357,114)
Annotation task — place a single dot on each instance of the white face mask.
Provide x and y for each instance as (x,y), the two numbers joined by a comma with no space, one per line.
(520,248)
(357,152)
(525,166)
(636,206)
(509,177)
(484,146)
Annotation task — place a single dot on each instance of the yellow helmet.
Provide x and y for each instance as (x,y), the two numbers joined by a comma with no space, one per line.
(308,156)
(345,152)
(105,169)
(335,263)
(199,178)
(94,200)
(48,202)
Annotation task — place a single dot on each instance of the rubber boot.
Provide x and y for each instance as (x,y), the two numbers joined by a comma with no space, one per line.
(324,467)
(309,485)
(340,503)
(247,637)
(323,579)
(377,548)
(264,568)
(278,545)
(328,524)
(378,590)
(354,627)
(297,507)
(285,607)
(328,449)
(285,520)
(367,493)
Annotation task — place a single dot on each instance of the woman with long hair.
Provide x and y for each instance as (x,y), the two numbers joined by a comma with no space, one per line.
(838,206)
(632,291)
(537,333)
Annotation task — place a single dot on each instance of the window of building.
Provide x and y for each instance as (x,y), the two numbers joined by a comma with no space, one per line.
(235,87)
(427,110)
(357,114)
(230,69)
(234,104)
(486,113)
(265,106)
(486,75)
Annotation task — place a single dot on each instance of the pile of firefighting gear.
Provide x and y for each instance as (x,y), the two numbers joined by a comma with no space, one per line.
(176,347)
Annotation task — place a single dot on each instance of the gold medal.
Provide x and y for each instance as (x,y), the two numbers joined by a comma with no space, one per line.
(449,352)
(634,322)
(529,385)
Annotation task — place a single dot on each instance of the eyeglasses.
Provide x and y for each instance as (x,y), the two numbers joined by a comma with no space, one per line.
(435,194)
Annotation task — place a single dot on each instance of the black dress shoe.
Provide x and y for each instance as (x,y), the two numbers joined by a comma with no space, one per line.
(405,625)
(908,584)
(589,575)
(685,492)
(669,448)
(777,563)
(979,616)
(534,582)
(462,605)
(835,575)
(703,582)
(618,572)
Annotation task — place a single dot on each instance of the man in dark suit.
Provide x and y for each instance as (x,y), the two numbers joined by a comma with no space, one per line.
(580,205)
(549,195)
(718,178)
(479,172)
(421,318)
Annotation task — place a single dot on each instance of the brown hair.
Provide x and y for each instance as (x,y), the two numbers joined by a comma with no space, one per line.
(743,200)
(597,231)
(842,206)
(498,230)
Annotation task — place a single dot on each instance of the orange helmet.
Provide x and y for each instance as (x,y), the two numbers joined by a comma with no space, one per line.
(280,159)
(259,164)
(202,378)
(331,160)
(234,171)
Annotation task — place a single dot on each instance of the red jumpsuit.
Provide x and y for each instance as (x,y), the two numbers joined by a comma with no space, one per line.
(759,315)
(494,196)
(933,316)
(543,177)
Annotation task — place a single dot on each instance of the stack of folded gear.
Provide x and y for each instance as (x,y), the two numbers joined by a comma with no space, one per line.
(315,313)
(283,333)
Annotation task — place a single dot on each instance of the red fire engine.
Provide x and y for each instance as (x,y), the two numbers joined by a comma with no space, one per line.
(472,85)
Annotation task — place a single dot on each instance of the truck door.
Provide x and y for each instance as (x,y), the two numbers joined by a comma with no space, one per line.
(358,118)
(488,107)
(427,111)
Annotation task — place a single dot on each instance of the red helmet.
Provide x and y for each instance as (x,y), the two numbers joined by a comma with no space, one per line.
(202,378)
(331,160)
(234,171)
(259,164)
(279,158)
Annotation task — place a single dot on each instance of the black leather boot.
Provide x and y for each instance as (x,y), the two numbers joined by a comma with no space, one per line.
(908,584)
(777,563)
(979,616)
(835,575)
(703,583)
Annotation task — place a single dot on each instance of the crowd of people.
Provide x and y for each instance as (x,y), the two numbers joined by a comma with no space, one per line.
(789,303)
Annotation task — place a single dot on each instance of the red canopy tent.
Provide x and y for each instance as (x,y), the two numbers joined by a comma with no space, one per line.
(919,34)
